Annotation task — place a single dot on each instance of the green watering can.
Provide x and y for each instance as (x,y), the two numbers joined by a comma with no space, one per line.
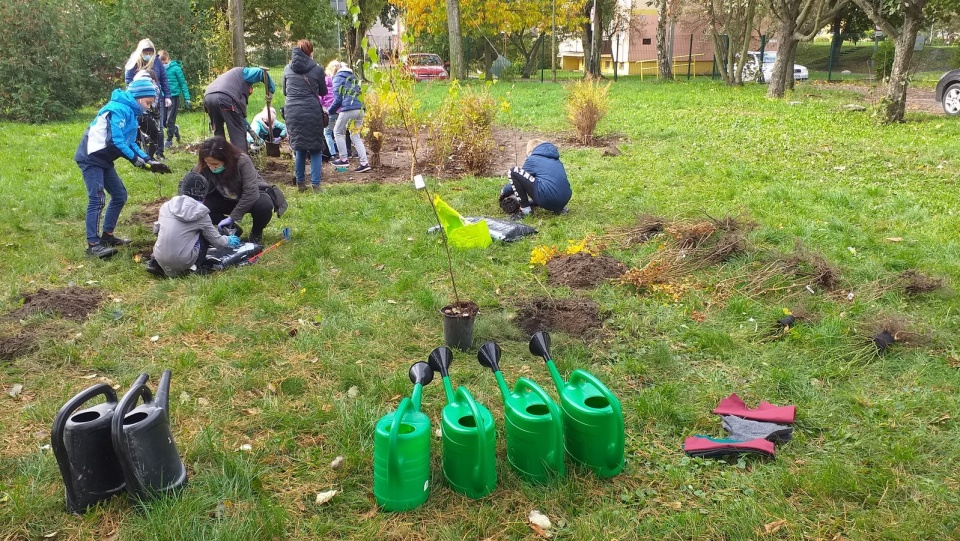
(468,436)
(592,418)
(401,450)
(533,426)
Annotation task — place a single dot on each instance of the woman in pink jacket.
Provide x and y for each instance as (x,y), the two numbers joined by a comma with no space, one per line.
(325,101)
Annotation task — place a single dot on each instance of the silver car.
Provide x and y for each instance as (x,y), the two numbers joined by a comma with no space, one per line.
(948,92)
(754,70)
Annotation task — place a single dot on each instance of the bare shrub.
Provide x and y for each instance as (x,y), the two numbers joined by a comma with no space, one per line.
(587,104)
(375,124)
(461,131)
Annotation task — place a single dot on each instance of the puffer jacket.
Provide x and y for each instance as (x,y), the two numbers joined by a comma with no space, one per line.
(346,92)
(251,186)
(303,83)
(182,220)
(552,189)
(113,133)
(178,83)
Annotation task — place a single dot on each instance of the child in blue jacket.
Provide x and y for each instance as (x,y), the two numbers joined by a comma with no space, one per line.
(112,135)
(541,182)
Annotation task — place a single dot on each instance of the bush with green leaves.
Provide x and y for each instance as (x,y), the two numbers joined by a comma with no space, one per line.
(883,59)
(461,130)
(587,104)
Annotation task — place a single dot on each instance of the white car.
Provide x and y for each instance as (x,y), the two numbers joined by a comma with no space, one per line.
(752,69)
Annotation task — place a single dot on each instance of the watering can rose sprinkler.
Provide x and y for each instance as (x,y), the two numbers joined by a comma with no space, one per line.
(533,424)
(592,418)
(401,450)
(469,440)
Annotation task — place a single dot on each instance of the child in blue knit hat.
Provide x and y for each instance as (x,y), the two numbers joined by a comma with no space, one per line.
(111,135)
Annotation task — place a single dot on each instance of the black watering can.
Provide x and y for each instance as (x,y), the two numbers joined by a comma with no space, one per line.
(84,451)
(144,443)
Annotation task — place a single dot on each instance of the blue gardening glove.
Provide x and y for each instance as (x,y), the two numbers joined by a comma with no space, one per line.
(226,222)
(187,104)
(139,163)
(234,241)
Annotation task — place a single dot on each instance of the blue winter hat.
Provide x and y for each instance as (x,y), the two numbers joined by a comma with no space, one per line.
(142,88)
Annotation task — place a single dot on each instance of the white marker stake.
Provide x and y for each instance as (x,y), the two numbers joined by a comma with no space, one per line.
(418,182)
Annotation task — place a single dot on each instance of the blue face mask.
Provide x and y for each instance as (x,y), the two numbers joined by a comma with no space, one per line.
(218,170)
(146,57)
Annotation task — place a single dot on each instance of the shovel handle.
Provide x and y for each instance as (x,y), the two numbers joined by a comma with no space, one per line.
(393,466)
(478,473)
(60,422)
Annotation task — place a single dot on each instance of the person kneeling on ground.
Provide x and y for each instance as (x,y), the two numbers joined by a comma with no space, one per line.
(185,232)
(235,188)
(259,127)
(541,182)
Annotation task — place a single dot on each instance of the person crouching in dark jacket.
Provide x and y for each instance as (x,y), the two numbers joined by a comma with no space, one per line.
(184,231)
(541,182)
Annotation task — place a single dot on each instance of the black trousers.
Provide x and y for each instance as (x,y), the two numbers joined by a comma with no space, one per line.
(261,212)
(204,245)
(222,110)
(523,183)
(171,118)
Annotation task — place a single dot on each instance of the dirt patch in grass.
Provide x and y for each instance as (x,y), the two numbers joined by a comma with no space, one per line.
(916,282)
(149,212)
(576,316)
(12,347)
(582,270)
(74,303)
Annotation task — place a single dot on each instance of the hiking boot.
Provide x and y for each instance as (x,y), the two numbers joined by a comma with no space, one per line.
(316,188)
(340,162)
(108,239)
(155,269)
(364,167)
(101,251)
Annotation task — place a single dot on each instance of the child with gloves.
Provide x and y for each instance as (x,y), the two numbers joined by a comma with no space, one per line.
(541,182)
(185,232)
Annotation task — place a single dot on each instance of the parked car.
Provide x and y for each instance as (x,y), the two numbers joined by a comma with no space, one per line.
(948,92)
(752,71)
(426,66)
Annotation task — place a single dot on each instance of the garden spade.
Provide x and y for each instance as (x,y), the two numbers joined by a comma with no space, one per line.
(401,450)
(468,436)
(592,419)
(534,428)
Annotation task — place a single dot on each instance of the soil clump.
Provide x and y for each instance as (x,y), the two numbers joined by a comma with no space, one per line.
(73,302)
(581,270)
(575,316)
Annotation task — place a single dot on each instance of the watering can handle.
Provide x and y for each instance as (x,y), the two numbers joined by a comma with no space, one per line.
(127,403)
(478,475)
(60,422)
(394,464)
(582,375)
(524,383)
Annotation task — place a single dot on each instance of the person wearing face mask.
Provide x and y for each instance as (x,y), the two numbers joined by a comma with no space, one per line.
(235,188)
(226,102)
(144,58)
(178,88)
(112,135)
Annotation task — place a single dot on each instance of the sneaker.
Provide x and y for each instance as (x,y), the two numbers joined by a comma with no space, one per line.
(301,187)
(109,240)
(316,188)
(168,144)
(364,167)
(101,251)
(340,162)
(155,269)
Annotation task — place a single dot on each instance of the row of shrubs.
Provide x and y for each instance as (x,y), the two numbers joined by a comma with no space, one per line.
(60,55)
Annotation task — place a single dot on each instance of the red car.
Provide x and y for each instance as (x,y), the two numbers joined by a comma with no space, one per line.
(426,67)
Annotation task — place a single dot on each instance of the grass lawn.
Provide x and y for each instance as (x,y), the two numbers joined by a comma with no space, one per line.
(266,355)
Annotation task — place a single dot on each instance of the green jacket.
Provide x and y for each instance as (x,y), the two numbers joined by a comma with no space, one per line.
(178,83)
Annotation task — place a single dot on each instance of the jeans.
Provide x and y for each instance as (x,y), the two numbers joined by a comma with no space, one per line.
(340,132)
(299,165)
(328,135)
(100,179)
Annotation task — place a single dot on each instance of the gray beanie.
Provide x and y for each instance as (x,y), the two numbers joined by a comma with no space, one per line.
(194,185)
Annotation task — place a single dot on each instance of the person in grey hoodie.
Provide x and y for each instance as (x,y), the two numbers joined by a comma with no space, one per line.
(185,232)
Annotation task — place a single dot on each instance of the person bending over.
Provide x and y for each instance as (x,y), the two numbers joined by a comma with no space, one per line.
(541,182)
(226,102)
(184,231)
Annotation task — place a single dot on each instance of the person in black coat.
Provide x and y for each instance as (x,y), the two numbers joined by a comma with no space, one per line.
(541,182)
(303,84)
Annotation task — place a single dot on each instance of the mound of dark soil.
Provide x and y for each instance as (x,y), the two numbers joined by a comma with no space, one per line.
(149,212)
(575,316)
(583,270)
(69,303)
(12,347)
(916,282)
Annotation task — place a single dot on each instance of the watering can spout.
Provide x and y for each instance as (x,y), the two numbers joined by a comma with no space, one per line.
(162,398)
(489,356)
(420,374)
(540,345)
(440,360)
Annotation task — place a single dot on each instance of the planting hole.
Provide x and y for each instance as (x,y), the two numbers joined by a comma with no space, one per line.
(85,417)
(468,421)
(406,429)
(538,409)
(134,418)
(596,402)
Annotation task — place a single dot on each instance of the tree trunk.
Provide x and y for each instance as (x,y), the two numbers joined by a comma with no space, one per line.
(664,62)
(896,98)
(530,57)
(586,37)
(458,66)
(235,20)
(837,41)
(488,58)
(596,43)
(782,77)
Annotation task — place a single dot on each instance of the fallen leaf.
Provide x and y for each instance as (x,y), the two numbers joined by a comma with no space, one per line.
(49,535)
(271,388)
(894,239)
(380,267)
(391,301)
(940,420)
(773,527)
(538,518)
(15,390)
(395,397)
(353,391)
(184,397)
(326,407)
(202,401)
(369,514)
(89,376)
(675,505)
(246,447)
(252,411)
(539,531)
(337,463)
(324,497)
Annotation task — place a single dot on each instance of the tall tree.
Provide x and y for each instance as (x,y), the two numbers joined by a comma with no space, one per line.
(458,65)
(797,20)
(664,62)
(235,16)
(363,14)
(731,25)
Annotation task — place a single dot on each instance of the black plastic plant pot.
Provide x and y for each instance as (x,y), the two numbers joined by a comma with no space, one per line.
(883,341)
(458,319)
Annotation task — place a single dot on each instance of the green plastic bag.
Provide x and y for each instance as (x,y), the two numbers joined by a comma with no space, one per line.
(459,233)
